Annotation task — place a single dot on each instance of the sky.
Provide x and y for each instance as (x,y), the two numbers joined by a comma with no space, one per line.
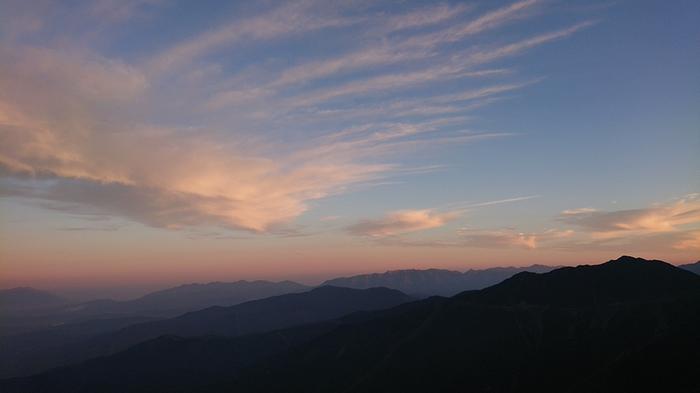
(150,143)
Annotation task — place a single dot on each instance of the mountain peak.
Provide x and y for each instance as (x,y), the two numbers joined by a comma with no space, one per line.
(631,259)
(623,279)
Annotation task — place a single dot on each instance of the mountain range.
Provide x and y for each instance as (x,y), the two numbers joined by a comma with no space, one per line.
(39,311)
(624,325)
(26,309)
(24,298)
(190,297)
(429,282)
(33,352)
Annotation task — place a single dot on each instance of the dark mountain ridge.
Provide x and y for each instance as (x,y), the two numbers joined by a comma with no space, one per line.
(621,280)
(530,333)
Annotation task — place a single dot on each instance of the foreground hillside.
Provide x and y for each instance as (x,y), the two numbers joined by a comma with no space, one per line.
(625,325)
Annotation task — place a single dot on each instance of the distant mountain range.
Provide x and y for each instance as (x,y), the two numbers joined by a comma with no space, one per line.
(191,297)
(622,326)
(33,352)
(26,309)
(692,267)
(24,298)
(431,282)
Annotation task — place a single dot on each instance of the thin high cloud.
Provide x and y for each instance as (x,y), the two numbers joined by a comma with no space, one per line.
(288,19)
(92,132)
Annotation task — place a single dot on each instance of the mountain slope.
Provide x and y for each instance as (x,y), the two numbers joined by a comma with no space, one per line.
(570,329)
(26,353)
(691,267)
(167,363)
(430,282)
(261,315)
(620,280)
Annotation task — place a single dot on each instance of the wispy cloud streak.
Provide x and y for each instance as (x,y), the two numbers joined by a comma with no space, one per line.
(185,136)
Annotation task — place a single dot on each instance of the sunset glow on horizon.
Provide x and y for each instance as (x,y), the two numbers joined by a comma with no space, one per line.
(146,144)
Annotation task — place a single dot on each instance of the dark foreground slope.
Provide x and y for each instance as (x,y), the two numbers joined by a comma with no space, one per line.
(272,313)
(626,325)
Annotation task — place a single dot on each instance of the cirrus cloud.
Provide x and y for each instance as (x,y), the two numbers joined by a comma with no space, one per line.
(94,132)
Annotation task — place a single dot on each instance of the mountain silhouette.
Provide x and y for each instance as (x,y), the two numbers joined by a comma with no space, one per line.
(573,328)
(166,303)
(275,312)
(22,309)
(23,298)
(323,303)
(624,279)
(691,267)
(429,282)
(621,326)
(190,297)
(169,363)
(26,353)
(625,325)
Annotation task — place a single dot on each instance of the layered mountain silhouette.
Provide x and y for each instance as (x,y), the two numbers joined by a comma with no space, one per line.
(190,297)
(573,329)
(23,308)
(622,326)
(429,282)
(692,267)
(23,317)
(24,298)
(24,354)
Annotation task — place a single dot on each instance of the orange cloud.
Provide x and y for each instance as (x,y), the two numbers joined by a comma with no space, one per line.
(690,241)
(509,238)
(402,222)
(94,134)
(660,218)
(71,118)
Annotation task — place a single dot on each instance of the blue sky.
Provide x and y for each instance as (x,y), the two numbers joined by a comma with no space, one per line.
(311,138)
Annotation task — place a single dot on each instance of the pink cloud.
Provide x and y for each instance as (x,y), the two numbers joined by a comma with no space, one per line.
(403,221)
